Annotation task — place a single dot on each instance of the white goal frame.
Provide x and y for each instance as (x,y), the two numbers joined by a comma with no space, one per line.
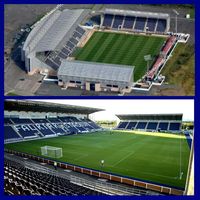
(50,151)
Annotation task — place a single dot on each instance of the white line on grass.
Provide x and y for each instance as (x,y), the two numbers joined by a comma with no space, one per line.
(123,159)
(82,156)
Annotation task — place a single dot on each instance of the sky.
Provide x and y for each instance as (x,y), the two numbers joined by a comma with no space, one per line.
(137,106)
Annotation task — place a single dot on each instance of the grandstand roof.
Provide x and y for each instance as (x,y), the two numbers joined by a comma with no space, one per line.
(136,13)
(151,117)
(93,70)
(49,33)
(38,106)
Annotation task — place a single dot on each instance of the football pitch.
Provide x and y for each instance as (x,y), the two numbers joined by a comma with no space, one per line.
(124,49)
(156,157)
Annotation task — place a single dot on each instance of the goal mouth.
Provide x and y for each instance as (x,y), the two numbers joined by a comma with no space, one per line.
(52,152)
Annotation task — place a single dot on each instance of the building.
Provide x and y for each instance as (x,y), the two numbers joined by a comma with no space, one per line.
(95,76)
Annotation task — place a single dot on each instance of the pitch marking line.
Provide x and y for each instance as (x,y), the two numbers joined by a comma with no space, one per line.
(123,159)
(82,156)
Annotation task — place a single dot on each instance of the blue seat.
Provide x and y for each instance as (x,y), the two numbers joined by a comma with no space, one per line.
(173,126)
(163,126)
(140,23)
(9,133)
(152,126)
(141,125)
(26,130)
(108,20)
(161,27)
(122,125)
(118,20)
(131,125)
(128,22)
(151,24)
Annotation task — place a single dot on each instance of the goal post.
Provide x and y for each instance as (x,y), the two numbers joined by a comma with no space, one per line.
(53,152)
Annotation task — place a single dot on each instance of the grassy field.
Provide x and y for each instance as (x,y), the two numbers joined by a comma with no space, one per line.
(124,49)
(147,156)
(179,70)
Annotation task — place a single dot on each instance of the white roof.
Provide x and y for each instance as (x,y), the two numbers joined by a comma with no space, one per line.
(97,71)
(136,13)
(52,30)
(58,30)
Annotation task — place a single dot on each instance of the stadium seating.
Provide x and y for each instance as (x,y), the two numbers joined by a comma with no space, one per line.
(128,22)
(151,24)
(135,23)
(44,129)
(122,125)
(80,30)
(58,128)
(65,50)
(71,129)
(152,126)
(10,133)
(161,26)
(160,60)
(40,120)
(26,130)
(163,126)
(118,20)
(40,127)
(140,23)
(108,20)
(174,126)
(131,125)
(141,125)
(54,120)
(21,121)
(19,180)
(7,121)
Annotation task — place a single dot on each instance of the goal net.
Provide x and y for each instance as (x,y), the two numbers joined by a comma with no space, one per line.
(54,152)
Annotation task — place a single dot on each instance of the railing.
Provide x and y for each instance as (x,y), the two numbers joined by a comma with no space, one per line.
(135,184)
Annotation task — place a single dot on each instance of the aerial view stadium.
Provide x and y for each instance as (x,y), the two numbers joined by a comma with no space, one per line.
(53,148)
(104,50)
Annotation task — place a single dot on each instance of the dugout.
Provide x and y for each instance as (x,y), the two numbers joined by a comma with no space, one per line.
(95,76)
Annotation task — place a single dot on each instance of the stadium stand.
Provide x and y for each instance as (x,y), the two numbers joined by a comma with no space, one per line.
(7,121)
(54,120)
(131,125)
(108,19)
(162,58)
(136,20)
(19,180)
(128,22)
(161,25)
(163,126)
(140,23)
(21,121)
(165,122)
(152,126)
(118,20)
(26,130)
(151,24)
(174,126)
(40,120)
(40,127)
(10,133)
(122,125)
(141,125)
(56,40)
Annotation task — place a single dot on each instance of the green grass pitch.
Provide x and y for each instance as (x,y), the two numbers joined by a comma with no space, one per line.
(118,48)
(147,156)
